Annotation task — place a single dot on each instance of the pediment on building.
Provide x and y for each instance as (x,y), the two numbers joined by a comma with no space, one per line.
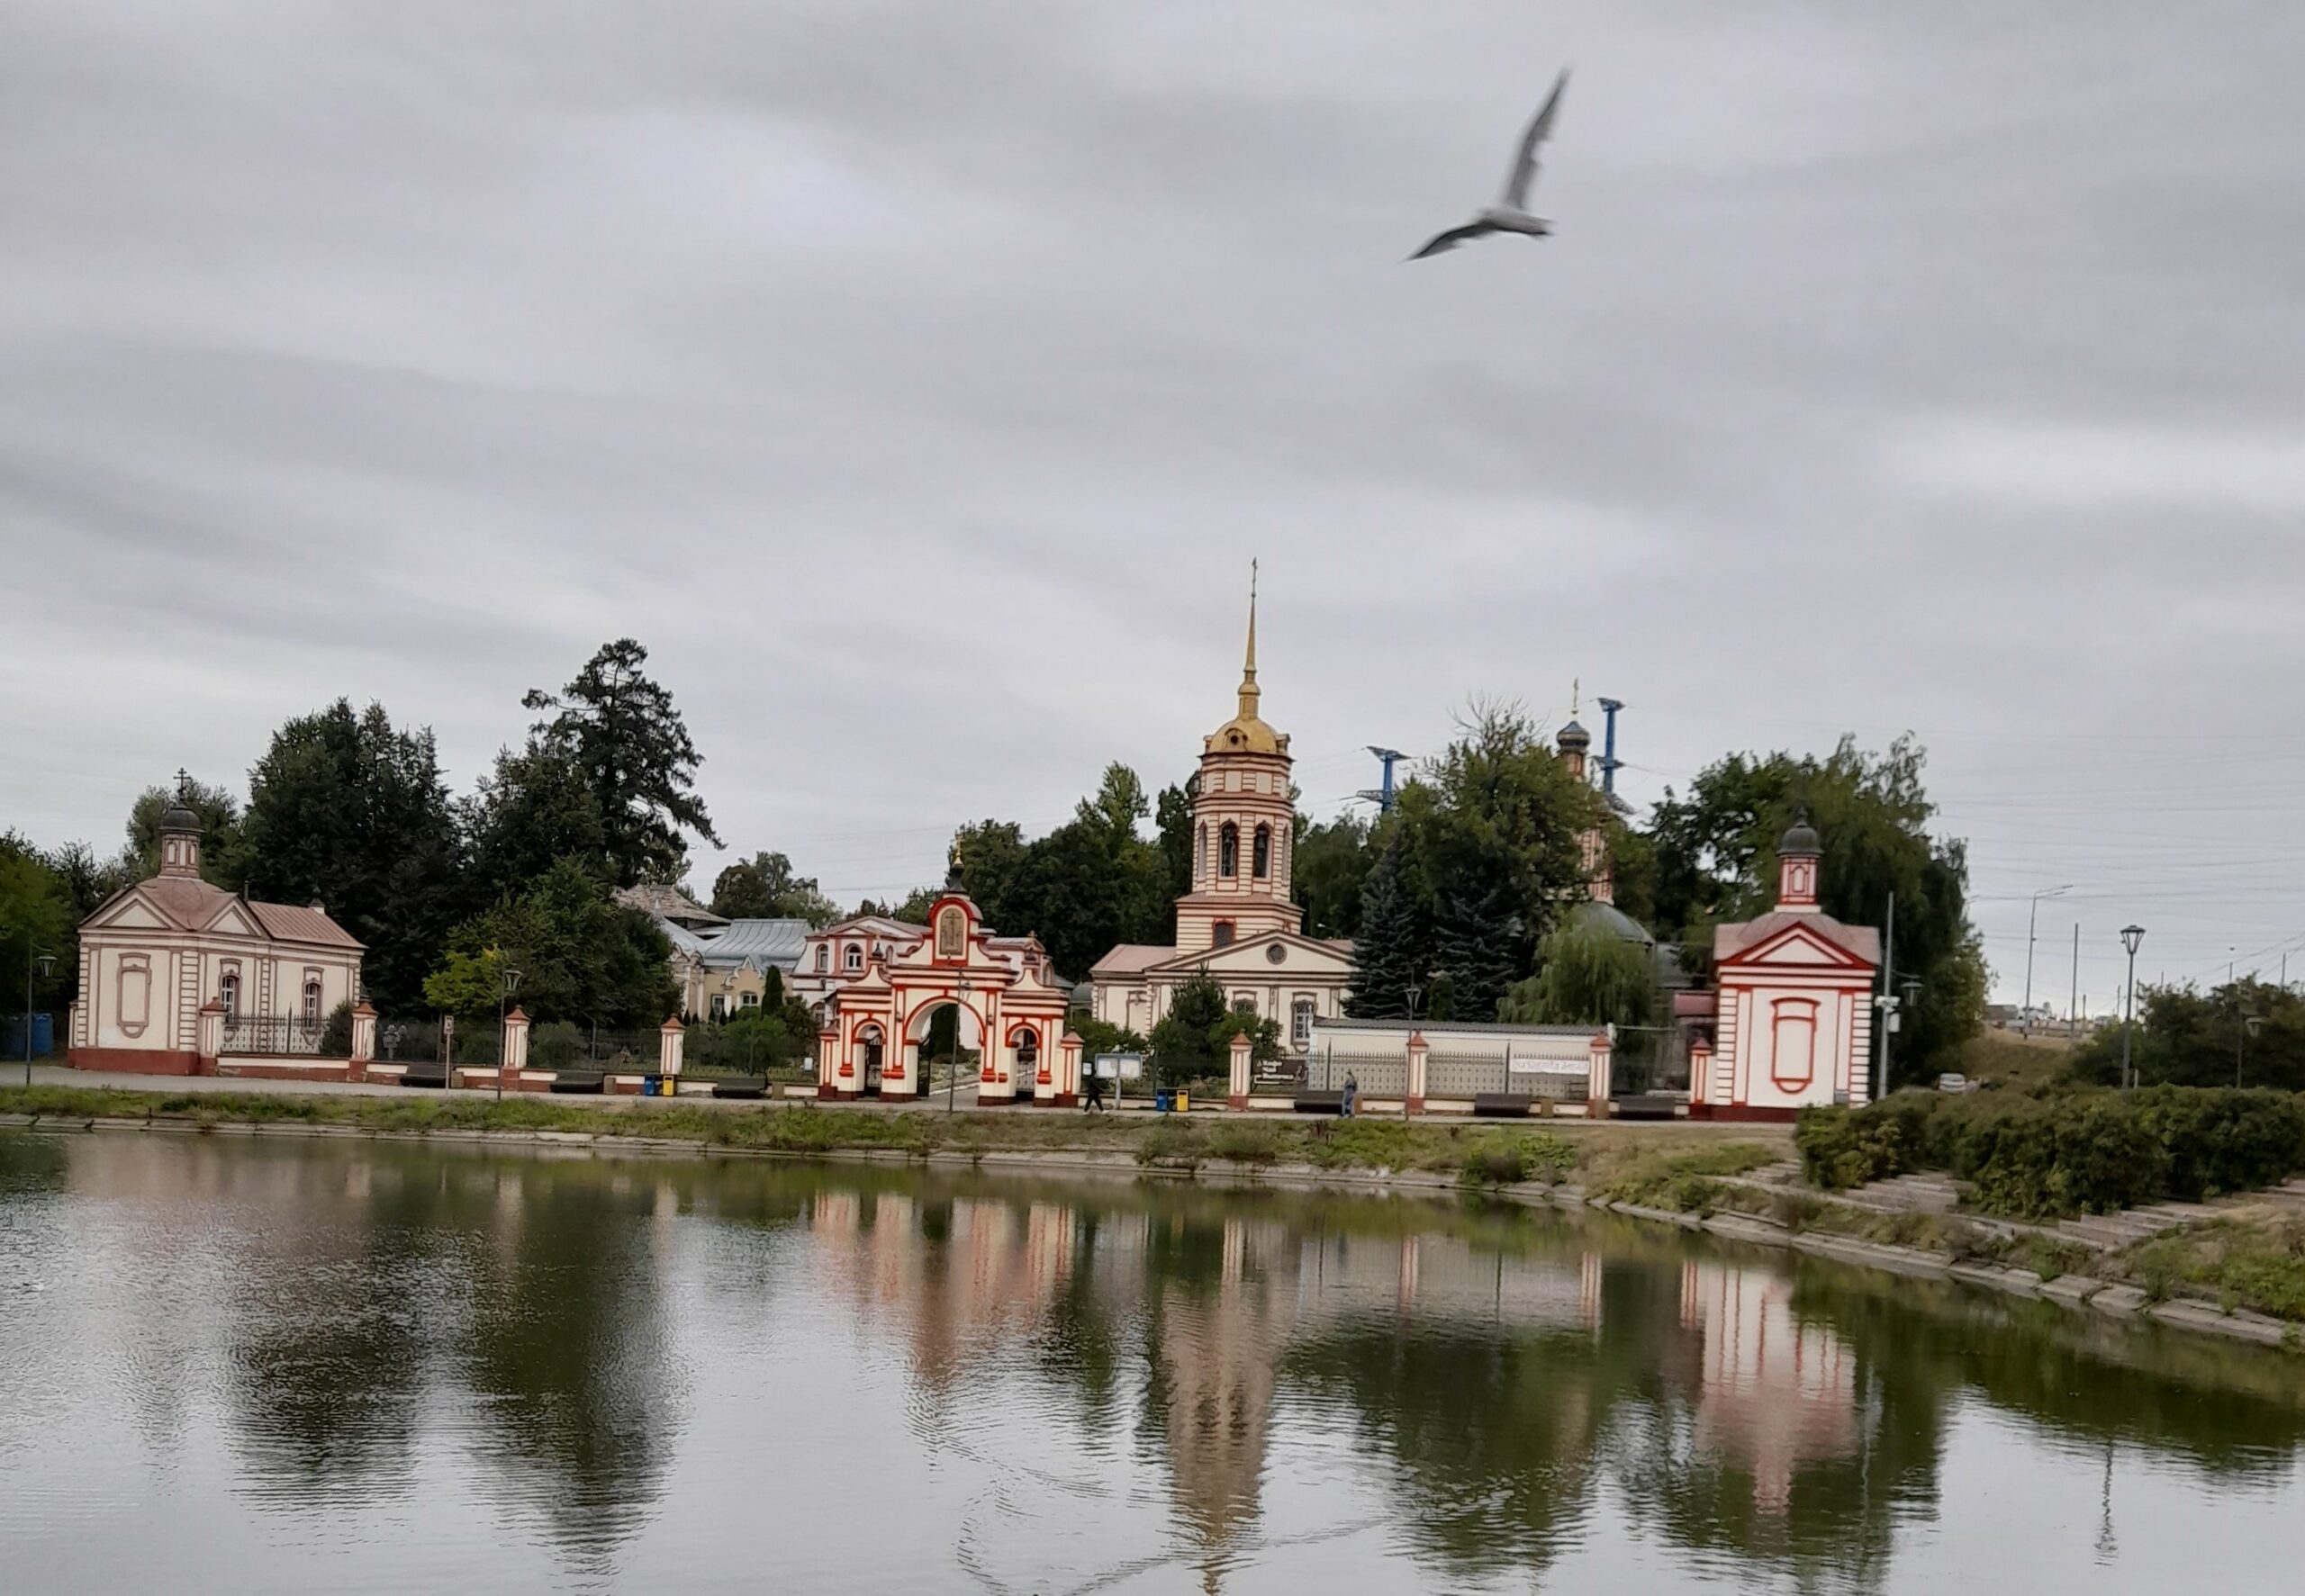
(234,920)
(1299,956)
(129,912)
(1799,947)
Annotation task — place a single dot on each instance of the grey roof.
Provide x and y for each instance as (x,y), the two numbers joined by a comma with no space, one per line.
(1574,736)
(682,939)
(1611,919)
(1801,841)
(757,942)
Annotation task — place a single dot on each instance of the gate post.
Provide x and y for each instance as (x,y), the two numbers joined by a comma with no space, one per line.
(212,1036)
(1418,1051)
(670,1041)
(515,1058)
(1597,1074)
(364,1039)
(1236,1087)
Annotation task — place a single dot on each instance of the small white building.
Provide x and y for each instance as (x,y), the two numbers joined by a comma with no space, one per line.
(155,955)
(1792,1020)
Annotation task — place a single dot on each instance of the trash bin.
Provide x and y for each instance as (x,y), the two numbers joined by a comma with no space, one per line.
(651,1085)
(1184,1102)
(1161,1098)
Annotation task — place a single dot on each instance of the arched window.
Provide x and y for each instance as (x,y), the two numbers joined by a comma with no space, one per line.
(1220,934)
(1228,851)
(312,1001)
(1200,855)
(851,957)
(228,992)
(824,958)
(1261,853)
(1301,1022)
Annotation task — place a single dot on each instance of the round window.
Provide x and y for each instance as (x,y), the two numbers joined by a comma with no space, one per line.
(1276,952)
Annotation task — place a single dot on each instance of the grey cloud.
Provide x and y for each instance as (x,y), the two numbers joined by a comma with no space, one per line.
(917,381)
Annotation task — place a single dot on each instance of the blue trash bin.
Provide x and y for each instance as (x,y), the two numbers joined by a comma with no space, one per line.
(1163,1100)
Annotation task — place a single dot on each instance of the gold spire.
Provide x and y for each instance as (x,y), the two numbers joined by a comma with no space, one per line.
(1249,689)
(1246,732)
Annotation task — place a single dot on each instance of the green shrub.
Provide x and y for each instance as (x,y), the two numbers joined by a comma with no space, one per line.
(1171,1145)
(1245,1142)
(2218,1142)
(2079,1152)
(1498,1163)
(1841,1147)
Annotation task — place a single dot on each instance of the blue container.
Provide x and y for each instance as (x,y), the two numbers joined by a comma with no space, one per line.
(1163,1100)
(12,1036)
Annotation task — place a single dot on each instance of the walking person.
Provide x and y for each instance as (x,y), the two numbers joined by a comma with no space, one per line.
(1352,1094)
(1096,1092)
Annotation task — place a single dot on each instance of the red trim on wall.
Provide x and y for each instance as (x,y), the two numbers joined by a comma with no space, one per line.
(134,1061)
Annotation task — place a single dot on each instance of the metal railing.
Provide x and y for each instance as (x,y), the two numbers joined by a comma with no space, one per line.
(273,1035)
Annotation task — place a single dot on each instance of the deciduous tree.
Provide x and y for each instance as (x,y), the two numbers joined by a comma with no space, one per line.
(766,888)
(348,811)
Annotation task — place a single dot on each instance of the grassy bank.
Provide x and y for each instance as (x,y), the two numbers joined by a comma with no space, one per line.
(1483,1153)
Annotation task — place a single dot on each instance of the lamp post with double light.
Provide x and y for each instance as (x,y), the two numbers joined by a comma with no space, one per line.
(503,1018)
(2132,936)
(46,964)
(2032,923)
(952,1070)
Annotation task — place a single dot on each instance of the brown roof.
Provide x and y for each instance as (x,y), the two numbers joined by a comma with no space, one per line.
(285,922)
(1862,941)
(1132,959)
(190,904)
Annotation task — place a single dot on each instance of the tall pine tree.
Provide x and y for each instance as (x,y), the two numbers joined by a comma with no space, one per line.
(1394,950)
(636,756)
(1478,946)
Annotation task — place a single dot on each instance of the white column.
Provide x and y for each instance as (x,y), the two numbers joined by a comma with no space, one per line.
(1597,1084)
(671,1039)
(1236,1087)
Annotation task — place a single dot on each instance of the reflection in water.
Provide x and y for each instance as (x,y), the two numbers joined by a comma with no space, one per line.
(1039,1387)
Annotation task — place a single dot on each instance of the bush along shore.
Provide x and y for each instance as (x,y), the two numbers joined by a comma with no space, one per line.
(2026,1159)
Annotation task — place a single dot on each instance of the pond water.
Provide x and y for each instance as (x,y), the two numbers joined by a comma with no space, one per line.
(277,1364)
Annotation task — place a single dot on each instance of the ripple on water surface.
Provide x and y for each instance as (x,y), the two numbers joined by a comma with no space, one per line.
(256,1366)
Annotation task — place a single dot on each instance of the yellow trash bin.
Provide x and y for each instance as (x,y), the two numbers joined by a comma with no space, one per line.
(1184,1102)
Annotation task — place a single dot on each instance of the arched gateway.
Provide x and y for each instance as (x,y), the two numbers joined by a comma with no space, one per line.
(876,1020)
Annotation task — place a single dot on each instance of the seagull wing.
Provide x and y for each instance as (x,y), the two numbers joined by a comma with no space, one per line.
(1525,161)
(1441,243)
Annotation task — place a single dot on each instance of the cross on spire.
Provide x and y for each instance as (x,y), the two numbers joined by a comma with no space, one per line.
(1248,692)
(184,783)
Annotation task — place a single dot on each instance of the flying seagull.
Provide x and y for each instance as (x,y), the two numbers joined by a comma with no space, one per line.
(1510,214)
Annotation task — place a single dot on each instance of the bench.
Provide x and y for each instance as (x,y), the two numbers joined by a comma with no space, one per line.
(741,1086)
(1318,1103)
(1646,1106)
(1502,1106)
(579,1080)
(425,1074)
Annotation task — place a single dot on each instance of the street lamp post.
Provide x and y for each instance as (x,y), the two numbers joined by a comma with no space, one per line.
(2032,923)
(503,1010)
(2249,1023)
(2131,936)
(953,1070)
(47,964)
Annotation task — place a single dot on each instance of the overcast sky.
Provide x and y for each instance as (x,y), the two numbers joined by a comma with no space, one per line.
(917,381)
